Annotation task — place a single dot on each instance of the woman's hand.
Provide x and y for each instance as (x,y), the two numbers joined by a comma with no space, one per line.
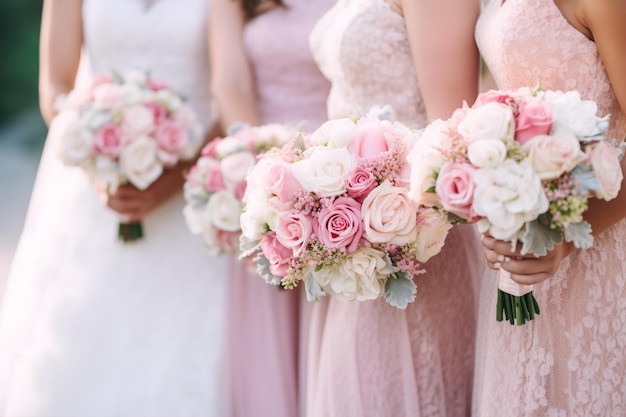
(133,204)
(525,269)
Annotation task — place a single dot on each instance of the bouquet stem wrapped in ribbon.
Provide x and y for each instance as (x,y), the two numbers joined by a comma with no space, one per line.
(522,165)
(126,128)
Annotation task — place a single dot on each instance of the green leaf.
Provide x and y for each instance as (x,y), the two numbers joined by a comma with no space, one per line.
(400,289)
(539,238)
(263,268)
(313,289)
(579,234)
(454,219)
(431,189)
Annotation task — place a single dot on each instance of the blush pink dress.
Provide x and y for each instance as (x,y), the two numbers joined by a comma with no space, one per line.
(267,327)
(368,358)
(571,360)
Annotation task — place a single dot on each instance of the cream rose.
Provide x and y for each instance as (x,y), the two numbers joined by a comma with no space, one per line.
(606,166)
(139,162)
(553,155)
(76,142)
(490,121)
(224,210)
(325,170)
(235,167)
(137,121)
(336,133)
(257,216)
(389,215)
(486,153)
(432,232)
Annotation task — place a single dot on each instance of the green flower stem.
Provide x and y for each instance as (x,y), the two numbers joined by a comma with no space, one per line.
(130,232)
(516,310)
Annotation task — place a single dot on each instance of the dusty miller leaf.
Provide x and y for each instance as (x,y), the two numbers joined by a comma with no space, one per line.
(263,268)
(400,289)
(579,234)
(586,179)
(539,238)
(313,289)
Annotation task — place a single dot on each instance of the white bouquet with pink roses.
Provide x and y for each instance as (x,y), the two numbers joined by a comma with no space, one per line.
(332,209)
(522,165)
(126,128)
(215,185)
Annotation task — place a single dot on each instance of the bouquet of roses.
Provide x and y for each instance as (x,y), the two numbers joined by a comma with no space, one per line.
(216,184)
(522,165)
(332,209)
(126,128)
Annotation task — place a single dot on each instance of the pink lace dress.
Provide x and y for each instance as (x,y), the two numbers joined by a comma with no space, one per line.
(570,360)
(267,326)
(368,358)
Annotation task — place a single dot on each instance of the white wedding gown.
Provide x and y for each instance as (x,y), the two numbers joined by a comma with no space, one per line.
(91,327)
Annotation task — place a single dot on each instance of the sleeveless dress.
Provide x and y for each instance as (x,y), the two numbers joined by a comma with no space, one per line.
(94,327)
(369,358)
(570,360)
(267,326)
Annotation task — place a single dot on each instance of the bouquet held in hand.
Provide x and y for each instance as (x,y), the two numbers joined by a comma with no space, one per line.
(216,184)
(332,210)
(126,128)
(522,165)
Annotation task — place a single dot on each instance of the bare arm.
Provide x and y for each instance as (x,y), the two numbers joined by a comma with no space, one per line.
(232,81)
(441,34)
(59,51)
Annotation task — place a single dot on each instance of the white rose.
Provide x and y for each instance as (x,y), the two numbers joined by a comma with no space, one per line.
(324,170)
(235,167)
(224,211)
(169,99)
(359,278)
(257,217)
(76,142)
(485,153)
(490,121)
(426,159)
(108,96)
(553,155)
(105,170)
(508,196)
(255,181)
(94,119)
(389,215)
(273,135)
(193,218)
(431,236)
(336,133)
(139,162)
(573,114)
(134,77)
(134,95)
(227,146)
(137,121)
(606,166)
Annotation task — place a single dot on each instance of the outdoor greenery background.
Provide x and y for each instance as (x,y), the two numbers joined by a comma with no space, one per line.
(19,43)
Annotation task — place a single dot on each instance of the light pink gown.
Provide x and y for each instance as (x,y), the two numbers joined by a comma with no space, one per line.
(571,360)
(266,324)
(369,359)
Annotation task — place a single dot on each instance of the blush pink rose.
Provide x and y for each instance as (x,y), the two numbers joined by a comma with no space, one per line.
(108,140)
(240,189)
(170,136)
(371,138)
(215,179)
(278,255)
(158,111)
(498,96)
(101,78)
(340,225)
(282,183)
(210,148)
(534,119)
(229,241)
(455,188)
(606,166)
(108,96)
(360,183)
(293,230)
(156,85)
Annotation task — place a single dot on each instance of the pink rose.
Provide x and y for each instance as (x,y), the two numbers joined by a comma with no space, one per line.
(215,179)
(108,96)
(293,231)
(498,96)
(278,255)
(156,85)
(229,241)
(108,140)
(210,148)
(606,166)
(158,111)
(360,183)
(340,225)
(455,188)
(240,189)
(534,119)
(137,121)
(371,138)
(282,183)
(170,136)
(101,78)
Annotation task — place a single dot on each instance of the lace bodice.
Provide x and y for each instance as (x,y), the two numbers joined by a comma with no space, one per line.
(167,38)
(362,47)
(288,90)
(569,361)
